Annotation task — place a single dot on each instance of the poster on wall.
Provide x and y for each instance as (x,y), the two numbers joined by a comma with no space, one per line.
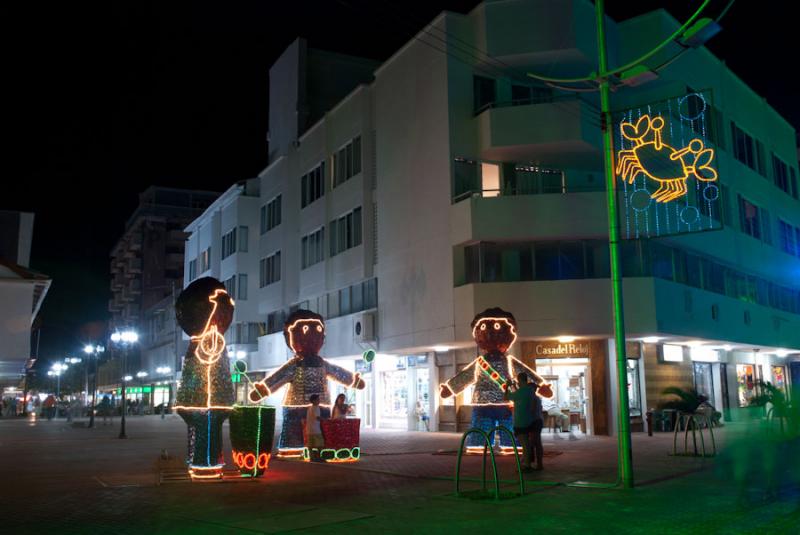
(666,168)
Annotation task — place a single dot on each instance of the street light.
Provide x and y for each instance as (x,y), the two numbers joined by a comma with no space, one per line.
(125,339)
(93,352)
(140,375)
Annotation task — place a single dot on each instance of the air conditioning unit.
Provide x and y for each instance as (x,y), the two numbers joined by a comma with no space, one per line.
(364,327)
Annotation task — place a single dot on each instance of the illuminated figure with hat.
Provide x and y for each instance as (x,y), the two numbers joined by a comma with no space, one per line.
(494,330)
(306,373)
(205,398)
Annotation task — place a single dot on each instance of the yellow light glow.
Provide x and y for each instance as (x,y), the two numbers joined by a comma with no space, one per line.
(565,339)
(671,187)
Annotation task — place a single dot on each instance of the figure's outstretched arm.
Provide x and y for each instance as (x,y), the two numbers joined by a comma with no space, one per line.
(345,377)
(274,381)
(459,381)
(515,366)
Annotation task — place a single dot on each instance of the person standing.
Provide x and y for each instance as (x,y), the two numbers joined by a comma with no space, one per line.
(314,440)
(528,421)
(340,408)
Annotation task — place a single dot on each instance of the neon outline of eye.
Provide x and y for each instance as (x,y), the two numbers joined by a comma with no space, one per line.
(497,326)
(483,326)
(305,329)
(319,328)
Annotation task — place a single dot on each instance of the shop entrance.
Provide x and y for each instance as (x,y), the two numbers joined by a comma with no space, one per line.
(570,409)
(403,393)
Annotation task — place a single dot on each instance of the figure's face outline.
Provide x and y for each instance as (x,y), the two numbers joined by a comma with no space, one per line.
(494,334)
(306,336)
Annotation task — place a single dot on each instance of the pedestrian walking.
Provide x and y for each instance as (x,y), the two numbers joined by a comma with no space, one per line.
(528,420)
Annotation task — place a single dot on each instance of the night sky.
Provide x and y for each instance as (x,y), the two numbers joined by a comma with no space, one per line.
(108,98)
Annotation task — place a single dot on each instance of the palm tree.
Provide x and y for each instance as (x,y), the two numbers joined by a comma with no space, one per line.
(688,399)
(781,408)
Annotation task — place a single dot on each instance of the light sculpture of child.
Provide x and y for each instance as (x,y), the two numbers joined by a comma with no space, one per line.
(494,330)
(205,398)
(306,373)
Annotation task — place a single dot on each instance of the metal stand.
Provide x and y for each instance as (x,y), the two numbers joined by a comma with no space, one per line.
(487,447)
(692,421)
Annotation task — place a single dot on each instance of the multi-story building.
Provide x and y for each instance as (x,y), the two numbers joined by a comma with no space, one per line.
(22,292)
(223,243)
(146,271)
(453,183)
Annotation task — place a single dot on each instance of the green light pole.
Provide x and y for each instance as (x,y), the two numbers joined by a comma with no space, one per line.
(624,449)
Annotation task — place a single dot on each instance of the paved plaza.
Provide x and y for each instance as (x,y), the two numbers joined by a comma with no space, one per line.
(62,476)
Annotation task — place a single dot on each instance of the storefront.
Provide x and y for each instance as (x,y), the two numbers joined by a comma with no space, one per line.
(398,392)
(578,374)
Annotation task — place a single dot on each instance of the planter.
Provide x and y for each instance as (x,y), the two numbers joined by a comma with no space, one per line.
(252,430)
(341,440)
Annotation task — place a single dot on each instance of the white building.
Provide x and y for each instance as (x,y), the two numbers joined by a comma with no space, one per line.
(451,184)
(22,292)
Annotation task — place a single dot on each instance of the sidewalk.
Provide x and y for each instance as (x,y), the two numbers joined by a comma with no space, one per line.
(77,480)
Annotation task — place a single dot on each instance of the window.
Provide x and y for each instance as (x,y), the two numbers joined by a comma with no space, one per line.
(346,162)
(793,182)
(345,232)
(271,214)
(242,287)
(522,95)
(465,178)
(749,218)
(244,236)
(270,269)
(483,92)
(766,227)
(230,286)
(192,269)
(780,174)
(312,185)
(205,260)
(311,248)
(229,244)
(743,146)
(787,233)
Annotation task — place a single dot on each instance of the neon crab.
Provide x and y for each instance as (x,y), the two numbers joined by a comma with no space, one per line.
(660,162)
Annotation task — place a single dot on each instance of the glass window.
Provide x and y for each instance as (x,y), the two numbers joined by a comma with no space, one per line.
(244,236)
(571,260)
(546,261)
(242,286)
(746,383)
(465,178)
(780,174)
(749,218)
(483,92)
(703,380)
(357,297)
(634,388)
(490,180)
(357,227)
(344,301)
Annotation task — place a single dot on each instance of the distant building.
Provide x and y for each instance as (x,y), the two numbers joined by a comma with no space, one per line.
(22,292)
(146,271)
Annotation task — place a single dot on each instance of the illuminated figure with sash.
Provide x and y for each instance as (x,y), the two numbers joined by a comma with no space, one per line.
(494,330)
(306,373)
(205,398)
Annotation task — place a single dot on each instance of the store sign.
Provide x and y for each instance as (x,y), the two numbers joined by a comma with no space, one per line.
(666,165)
(575,349)
(136,390)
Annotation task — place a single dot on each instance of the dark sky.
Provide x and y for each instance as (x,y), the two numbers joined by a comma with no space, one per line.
(109,98)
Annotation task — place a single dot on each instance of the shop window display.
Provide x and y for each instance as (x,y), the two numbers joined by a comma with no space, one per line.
(746,381)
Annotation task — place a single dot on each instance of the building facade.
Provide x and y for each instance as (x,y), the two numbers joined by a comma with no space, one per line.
(22,292)
(451,184)
(146,276)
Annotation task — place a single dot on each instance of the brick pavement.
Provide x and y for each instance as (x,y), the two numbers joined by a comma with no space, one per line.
(83,481)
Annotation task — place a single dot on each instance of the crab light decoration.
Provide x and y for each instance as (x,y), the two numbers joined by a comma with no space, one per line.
(659,162)
(666,167)
(204,310)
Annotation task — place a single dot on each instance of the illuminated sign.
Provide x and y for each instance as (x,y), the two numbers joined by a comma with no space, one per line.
(571,350)
(665,162)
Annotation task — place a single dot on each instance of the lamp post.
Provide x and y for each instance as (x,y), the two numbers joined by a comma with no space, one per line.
(93,352)
(125,339)
(55,371)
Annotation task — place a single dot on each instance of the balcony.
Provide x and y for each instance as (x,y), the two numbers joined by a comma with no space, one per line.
(562,132)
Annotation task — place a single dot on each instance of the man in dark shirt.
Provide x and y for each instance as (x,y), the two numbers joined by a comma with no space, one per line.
(528,420)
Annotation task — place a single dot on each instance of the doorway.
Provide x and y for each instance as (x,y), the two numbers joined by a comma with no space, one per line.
(570,379)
